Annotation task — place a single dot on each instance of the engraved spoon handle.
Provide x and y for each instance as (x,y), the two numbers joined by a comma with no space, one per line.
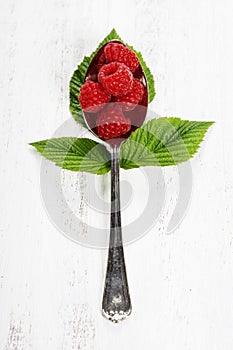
(116,304)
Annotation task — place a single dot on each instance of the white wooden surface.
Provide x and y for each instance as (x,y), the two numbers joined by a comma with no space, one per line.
(181,284)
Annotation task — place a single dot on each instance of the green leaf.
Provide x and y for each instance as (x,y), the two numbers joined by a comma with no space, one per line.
(163,142)
(76,82)
(75,154)
(79,74)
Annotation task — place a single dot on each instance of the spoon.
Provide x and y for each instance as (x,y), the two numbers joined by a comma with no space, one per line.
(116,303)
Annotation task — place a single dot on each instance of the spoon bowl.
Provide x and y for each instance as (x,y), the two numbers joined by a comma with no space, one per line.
(136,115)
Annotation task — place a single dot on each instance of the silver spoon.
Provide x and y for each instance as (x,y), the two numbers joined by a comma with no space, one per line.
(116,303)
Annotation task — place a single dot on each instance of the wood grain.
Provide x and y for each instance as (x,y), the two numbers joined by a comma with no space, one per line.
(50,287)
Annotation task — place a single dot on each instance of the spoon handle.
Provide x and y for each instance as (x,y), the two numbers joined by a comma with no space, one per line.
(116,305)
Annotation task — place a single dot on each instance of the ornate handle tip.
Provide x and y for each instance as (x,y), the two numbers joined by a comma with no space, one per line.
(116,316)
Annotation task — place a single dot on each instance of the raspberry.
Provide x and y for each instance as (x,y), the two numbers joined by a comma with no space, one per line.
(132,98)
(92,96)
(112,123)
(116,78)
(115,52)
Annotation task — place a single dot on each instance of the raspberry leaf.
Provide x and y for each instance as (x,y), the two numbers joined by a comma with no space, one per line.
(163,142)
(76,82)
(75,154)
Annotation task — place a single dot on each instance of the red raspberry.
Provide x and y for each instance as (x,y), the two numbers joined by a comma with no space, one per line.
(115,52)
(116,78)
(132,98)
(92,96)
(112,123)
